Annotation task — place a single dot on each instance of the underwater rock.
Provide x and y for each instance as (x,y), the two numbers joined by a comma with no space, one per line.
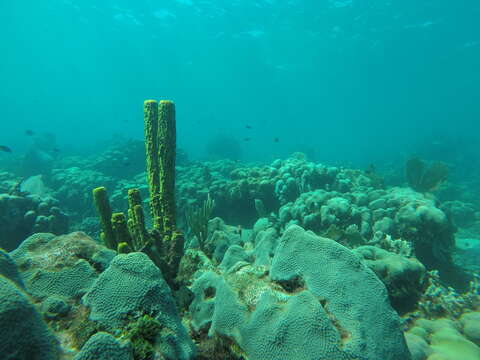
(319,302)
(467,253)
(104,346)
(132,286)
(37,161)
(35,185)
(23,334)
(462,214)
(65,265)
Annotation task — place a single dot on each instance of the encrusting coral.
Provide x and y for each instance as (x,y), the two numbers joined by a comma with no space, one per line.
(164,243)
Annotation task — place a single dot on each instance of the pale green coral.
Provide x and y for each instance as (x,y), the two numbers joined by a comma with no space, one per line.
(441,339)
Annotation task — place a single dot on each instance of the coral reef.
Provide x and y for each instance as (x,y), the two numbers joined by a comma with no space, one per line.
(73,188)
(438,300)
(133,285)
(164,244)
(81,288)
(237,188)
(197,219)
(404,277)
(103,346)
(23,214)
(64,265)
(307,261)
(424,178)
(368,216)
(444,339)
(301,310)
(24,334)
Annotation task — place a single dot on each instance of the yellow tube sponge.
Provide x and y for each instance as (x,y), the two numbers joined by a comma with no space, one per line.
(167,143)
(104,210)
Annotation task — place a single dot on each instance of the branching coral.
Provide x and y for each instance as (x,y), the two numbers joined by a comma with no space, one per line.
(197,219)
(440,301)
(397,246)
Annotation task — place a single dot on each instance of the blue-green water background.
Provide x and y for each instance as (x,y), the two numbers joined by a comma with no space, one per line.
(355,80)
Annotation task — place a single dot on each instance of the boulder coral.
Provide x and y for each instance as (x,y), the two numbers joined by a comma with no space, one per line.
(64,265)
(368,216)
(404,277)
(131,285)
(441,338)
(24,334)
(307,305)
(23,214)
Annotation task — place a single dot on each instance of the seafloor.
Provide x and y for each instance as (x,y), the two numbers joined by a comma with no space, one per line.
(288,260)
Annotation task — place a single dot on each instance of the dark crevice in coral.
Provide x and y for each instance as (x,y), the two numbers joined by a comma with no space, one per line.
(293,285)
(209,292)
(345,336)
(323,302)
(217,347)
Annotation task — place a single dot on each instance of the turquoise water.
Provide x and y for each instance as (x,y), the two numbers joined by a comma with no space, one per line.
(322,199)
(357,81)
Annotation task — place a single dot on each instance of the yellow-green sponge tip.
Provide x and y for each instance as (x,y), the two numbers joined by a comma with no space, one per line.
(123,248)
(100,198)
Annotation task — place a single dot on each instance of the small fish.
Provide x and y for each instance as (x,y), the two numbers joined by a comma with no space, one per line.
(248,127)
(29,132)
(247,139)
(5,149)
(276,139)
(56,150)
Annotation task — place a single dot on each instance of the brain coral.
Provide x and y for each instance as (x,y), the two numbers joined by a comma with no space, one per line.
(23,334)
(103,346)
(320,302)
(8,268)
(404,277)
(132,284)
(350,292)
(59,265)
